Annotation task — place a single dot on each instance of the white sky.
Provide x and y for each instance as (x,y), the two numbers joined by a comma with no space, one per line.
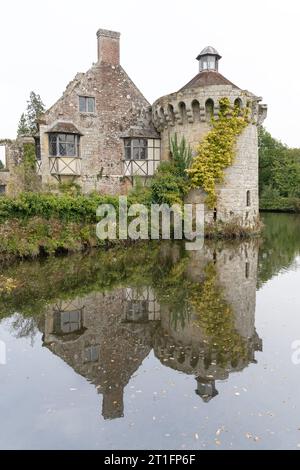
(43,44)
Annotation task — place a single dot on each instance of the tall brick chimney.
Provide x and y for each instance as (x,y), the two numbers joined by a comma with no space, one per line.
(108,47)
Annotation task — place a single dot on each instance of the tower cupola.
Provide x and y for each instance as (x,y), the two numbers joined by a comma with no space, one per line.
(208,59)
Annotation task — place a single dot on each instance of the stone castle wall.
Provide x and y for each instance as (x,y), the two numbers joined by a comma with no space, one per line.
(187,114)
(11,177)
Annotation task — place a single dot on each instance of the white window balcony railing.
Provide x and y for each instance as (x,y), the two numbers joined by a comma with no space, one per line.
(140,167)
(65,166)
(38,167)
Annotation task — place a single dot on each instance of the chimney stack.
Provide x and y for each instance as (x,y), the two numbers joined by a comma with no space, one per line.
(108,47)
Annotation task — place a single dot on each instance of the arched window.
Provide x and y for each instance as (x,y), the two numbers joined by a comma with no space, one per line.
(171,113)
(181,357)
(182,111)
(238,103)
(209,108)
(194,360)
(196,110)
(162,115)
(248,198)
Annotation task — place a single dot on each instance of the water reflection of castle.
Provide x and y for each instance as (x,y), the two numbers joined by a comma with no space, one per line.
(106,337)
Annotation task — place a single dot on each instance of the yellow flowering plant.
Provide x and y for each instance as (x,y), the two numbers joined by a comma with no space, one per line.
(217,150)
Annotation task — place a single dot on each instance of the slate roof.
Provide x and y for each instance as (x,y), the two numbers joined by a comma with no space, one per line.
(64,128)
(207,78)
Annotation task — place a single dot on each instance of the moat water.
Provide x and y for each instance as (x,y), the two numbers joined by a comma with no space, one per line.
(154,347)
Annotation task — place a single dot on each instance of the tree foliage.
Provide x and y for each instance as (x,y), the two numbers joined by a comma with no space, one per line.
(28,123)
(23,128)
(35,108)
(279,174)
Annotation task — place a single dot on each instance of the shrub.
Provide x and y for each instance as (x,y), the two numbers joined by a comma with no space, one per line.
(63,207)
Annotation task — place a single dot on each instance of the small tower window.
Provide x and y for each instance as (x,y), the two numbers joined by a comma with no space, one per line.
(196,110)
(208,62)
(215,214)
(247,270)
(182,111)
(238,103)
(248,198)
(171,113)
(162,115)
(209,108)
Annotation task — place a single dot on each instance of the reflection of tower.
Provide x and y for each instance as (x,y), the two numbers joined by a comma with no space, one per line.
(90,335)
(206,389)
(219,336)
(112,404)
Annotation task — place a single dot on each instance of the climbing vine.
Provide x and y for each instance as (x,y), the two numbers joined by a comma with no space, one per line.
(217,150)
(215,317)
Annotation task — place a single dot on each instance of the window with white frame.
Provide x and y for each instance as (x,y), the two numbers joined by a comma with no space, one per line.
(86,104)
(136,149)
(64,145)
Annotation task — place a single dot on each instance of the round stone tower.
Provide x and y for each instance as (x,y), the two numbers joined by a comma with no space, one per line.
(188,113)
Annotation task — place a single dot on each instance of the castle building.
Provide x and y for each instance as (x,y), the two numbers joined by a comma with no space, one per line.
(188,113)
(105,337)
(99,133)
(103,132)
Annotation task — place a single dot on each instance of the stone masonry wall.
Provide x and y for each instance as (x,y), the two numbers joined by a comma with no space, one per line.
(118,106)
(184,113)
(11,177)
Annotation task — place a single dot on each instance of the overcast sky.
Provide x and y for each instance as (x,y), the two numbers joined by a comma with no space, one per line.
(44,44)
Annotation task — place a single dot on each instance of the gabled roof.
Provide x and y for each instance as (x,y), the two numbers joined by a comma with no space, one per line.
(208,78)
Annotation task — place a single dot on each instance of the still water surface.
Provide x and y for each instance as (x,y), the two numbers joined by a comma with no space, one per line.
(155,348)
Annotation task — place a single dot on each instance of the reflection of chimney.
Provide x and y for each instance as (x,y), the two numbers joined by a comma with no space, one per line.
(108,47)
(112,404)
(206,389)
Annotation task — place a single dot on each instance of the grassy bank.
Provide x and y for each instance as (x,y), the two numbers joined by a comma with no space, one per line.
(45,224)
